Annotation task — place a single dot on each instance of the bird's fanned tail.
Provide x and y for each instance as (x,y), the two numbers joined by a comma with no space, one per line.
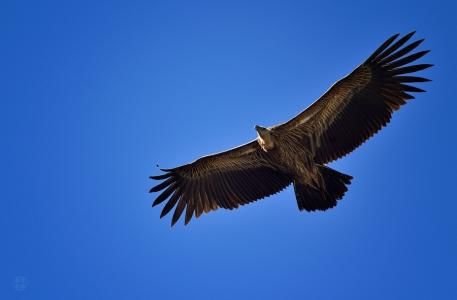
(330,189)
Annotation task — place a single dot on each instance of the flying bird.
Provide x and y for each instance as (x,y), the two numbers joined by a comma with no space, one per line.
(296,152)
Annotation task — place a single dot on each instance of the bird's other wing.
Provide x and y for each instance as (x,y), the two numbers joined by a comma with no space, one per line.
(360,104)
(227,179)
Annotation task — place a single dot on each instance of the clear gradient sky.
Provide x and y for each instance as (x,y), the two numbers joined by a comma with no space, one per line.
(96,93)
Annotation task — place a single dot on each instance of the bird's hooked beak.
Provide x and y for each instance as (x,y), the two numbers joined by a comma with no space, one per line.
(260,129)
(264,139)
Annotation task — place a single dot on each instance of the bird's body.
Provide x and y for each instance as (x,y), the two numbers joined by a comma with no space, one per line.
(289,154)
(296,152)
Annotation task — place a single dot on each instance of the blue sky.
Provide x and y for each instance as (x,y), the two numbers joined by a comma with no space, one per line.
(94,95)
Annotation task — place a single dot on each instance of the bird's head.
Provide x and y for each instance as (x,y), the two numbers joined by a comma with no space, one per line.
(265,138)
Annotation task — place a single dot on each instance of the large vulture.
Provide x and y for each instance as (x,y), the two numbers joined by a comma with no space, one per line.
(296,152)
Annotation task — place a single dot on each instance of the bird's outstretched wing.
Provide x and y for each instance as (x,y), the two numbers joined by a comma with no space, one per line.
(227,179)
(360,104)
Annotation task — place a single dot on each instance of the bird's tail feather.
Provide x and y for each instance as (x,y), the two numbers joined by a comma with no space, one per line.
(325,195)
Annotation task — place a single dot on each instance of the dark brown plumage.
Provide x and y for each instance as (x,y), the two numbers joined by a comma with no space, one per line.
(351,111)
